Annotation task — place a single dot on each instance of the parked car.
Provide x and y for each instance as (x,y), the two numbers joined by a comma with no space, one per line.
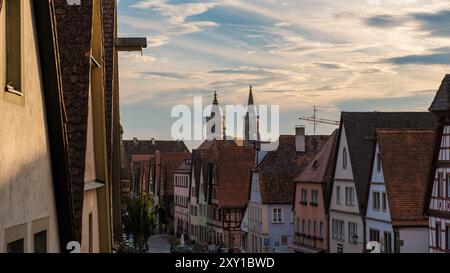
(181,249)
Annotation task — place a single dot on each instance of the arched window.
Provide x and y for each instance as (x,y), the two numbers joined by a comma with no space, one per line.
(344,158)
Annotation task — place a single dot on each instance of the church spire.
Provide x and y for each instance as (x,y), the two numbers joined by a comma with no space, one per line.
(215,101)
(250,96)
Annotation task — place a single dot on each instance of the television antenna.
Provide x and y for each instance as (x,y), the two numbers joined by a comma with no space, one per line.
(316,120)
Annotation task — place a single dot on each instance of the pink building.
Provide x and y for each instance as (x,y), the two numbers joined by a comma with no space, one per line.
(312,194)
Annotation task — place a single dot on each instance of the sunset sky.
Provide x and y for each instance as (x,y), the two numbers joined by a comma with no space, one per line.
(353,55)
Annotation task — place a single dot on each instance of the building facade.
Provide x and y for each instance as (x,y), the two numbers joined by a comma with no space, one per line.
(269,220)
(182,180)
(352,172)
(311,202)
(400,167)
(437,205)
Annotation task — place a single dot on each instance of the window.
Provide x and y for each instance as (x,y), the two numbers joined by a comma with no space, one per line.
(338,195)
(447,235)
(13,46)
(303,226)
(284,239)
(315,228)
(438,235)
(304,197)
(40,242)
(376,200)
(91,233)
(344,159)
(448,186)
(374,235)
(338,229)
(384,202)
(309,227)
(321,230)
(16,246)
(277,215)
(440,184)
(353,232)
(387,242)
(349,196)
(378,163)
(314,197)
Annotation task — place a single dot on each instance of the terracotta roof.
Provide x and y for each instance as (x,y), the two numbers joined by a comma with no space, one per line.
(74,31)
(320,168)
(280,167)
(169,163)
(183,168)
(441,101)
(231,164)
(360,132)
(109,34)
(147,147)
(405,158)
(233,167)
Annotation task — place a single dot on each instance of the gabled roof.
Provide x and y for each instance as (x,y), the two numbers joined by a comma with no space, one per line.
(405,159)
(320,169)
(183,168)
(230,165)
(279,168)
(169,163)
(109,35)
(147,147)
(74,44)
(441,101)
(360,132)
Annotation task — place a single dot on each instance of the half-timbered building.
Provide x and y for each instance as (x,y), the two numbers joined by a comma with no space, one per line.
(438,190)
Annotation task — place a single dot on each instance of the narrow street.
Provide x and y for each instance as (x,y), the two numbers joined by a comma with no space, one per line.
(158,244)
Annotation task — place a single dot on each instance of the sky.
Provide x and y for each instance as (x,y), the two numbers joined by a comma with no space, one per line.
(353,55)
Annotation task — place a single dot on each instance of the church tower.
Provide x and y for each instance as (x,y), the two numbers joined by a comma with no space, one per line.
(213,131)
(251,124)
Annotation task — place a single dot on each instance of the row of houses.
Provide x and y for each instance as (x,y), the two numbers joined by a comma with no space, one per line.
(60,132)
(380,177)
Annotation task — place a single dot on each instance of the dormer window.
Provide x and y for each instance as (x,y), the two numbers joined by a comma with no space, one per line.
(344,159)
(315,165)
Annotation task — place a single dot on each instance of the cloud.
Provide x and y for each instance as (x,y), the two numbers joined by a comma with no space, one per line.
(440,56)
(437,23)
(175,21)
(385,21)
(157,41)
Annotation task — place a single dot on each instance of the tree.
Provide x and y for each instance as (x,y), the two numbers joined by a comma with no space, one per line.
(139,219)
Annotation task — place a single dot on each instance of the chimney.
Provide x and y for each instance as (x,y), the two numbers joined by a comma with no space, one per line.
(153,141)
(135,140)
(300,139)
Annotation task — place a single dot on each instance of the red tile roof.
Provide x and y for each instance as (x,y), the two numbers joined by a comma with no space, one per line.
(232,165)
(320,168)
(74,32)
(279,168)
(405,158)
(109,35)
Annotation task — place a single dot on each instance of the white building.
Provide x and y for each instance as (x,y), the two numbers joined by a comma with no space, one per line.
(397,190)
(353,172)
